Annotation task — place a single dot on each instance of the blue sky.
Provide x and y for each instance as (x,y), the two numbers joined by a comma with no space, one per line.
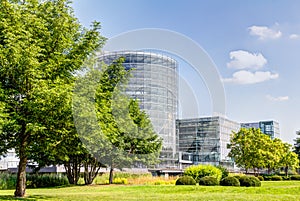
(255,46)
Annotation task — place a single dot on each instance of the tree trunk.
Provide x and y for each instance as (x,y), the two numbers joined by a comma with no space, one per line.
(21,177)
(111,175)
(73,171)
(91,169)
(286,169)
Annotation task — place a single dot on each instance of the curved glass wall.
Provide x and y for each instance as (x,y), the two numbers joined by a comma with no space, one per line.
(155,84)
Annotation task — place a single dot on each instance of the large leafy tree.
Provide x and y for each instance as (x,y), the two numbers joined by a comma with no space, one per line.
(41,45)
(297,145)
(250,148)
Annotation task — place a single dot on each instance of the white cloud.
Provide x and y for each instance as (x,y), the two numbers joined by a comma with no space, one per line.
(241,59)
(277,99)
(264,32)
(294,36)
(246,77)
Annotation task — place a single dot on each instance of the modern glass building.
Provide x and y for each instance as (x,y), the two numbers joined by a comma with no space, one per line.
(155,85)
(270,128)
(204,140)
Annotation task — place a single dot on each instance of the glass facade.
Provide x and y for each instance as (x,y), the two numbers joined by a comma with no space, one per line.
(270,128)
(204,140)
(155,85)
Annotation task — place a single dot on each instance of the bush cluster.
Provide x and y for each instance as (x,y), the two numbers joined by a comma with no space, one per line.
(199,171)
(185,180)
(272,178)
(208,181)
(249,181)
(46,180)
(230,181)
(9,181)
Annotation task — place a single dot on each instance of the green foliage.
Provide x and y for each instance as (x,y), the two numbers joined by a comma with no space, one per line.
(250,148)
(185,180)
(42,44)
(230,181)
(249,181)
(208,181)
(199,171)
(261,178)
(272,178)
(224,170)
(295,177)
(7,181)
(46,180)
(120,181)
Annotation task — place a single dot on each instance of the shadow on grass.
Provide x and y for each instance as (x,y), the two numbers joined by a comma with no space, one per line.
(31,197)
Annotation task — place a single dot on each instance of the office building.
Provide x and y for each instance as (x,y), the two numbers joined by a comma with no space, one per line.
(204,140)
(270,128)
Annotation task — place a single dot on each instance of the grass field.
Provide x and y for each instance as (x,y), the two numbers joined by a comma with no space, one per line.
(269,191)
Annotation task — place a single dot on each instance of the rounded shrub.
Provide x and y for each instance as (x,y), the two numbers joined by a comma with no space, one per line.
(276,178)
(199,171)
(261,178)
(230,181)
(249,181)
(209,181)
(185,180)
(295,177)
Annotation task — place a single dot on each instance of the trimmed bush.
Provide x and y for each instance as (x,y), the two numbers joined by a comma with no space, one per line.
(199,171)
(276,178)
(185,180)
(230,181)
(249,181)
(209,181)
(261,178)
(295,177)
(224,171)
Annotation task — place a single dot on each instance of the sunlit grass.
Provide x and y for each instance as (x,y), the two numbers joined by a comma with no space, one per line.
(269,191)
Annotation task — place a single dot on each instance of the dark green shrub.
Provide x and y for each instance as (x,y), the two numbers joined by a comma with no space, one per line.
(224,171)
(261,178)
(199,171)
(276,178)
(8,181)
(295,177)
(185,180)
(47,180)
(209,181)
(249,181)
(286,178)
(230,181)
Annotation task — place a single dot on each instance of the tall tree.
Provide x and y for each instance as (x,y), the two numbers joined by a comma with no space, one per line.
(41,45)
(123,134)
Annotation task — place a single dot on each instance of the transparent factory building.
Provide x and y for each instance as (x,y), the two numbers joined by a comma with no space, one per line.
(155,85)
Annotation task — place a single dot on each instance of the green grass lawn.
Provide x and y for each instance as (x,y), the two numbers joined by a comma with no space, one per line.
(269,191)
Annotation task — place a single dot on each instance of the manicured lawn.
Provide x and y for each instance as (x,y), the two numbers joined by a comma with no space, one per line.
(269,191)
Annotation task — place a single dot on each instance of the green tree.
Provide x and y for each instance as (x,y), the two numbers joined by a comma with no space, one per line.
(41,45)
(289,158)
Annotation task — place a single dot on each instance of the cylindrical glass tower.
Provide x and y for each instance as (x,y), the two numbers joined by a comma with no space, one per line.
(155,85)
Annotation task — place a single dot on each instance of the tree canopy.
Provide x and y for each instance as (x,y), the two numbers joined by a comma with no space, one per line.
(250,148)
(41,45)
